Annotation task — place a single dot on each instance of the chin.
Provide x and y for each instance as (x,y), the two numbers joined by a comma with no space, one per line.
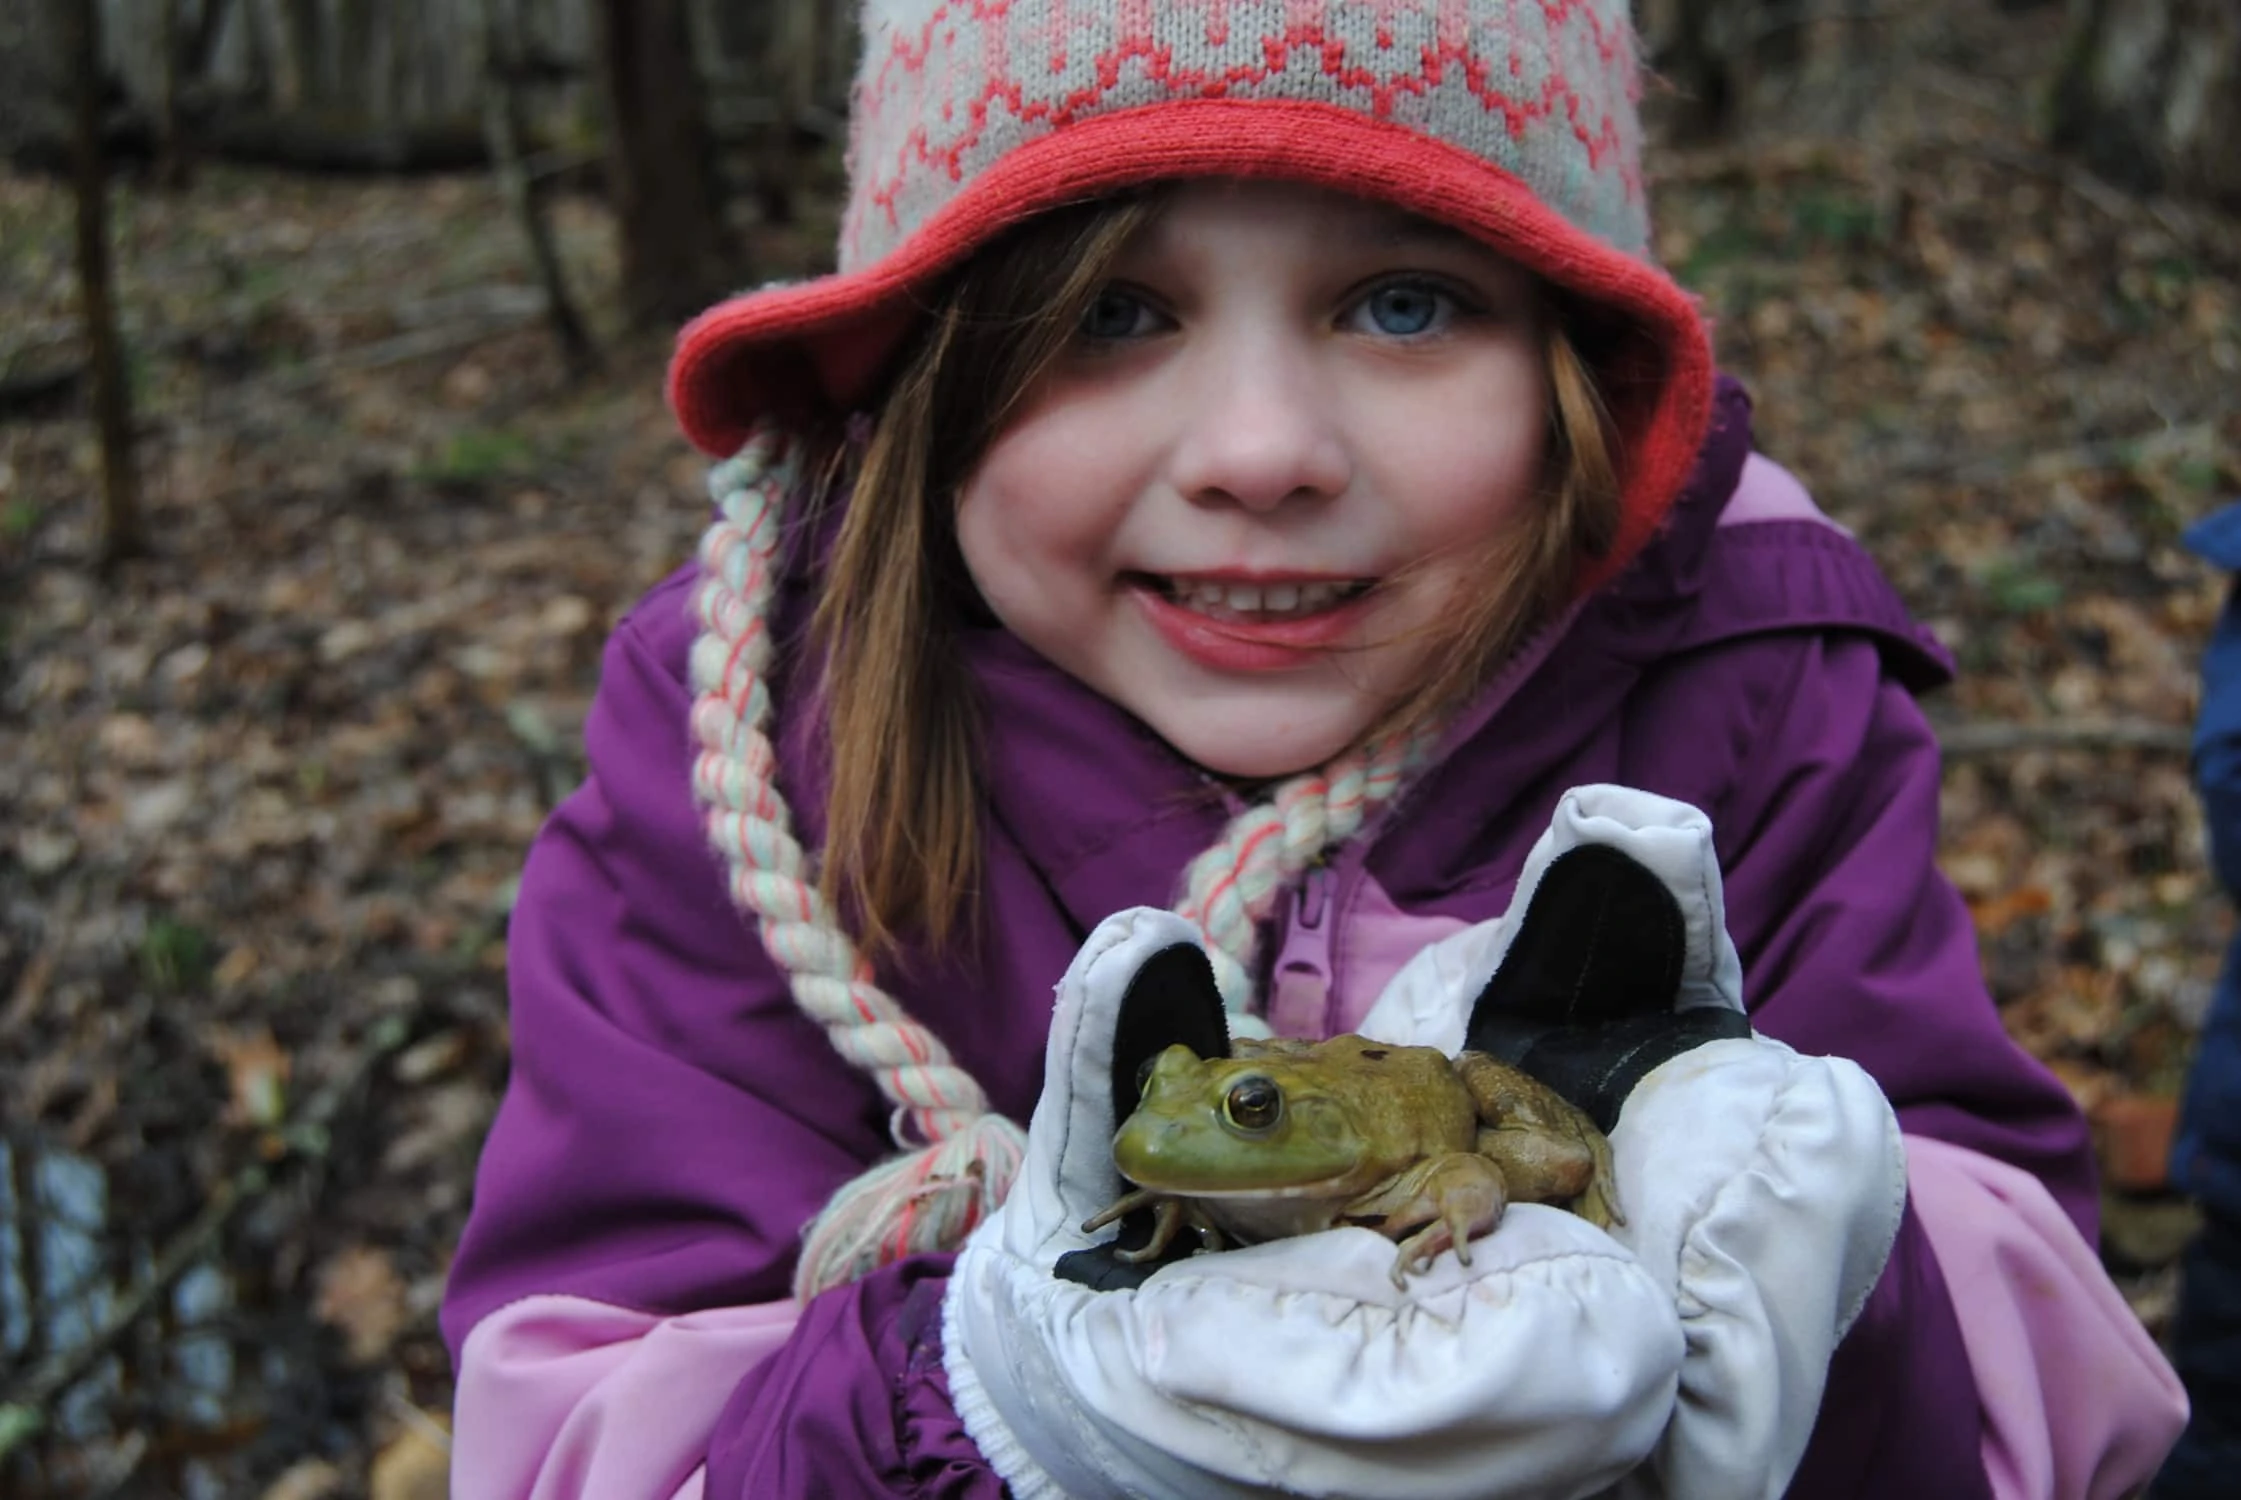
(1249,753)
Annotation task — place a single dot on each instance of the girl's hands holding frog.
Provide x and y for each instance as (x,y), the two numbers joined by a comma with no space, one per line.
(1546,1366)
(1760,1190)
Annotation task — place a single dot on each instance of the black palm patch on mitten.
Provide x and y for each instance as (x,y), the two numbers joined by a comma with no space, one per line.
(1584,998)
(1173,999)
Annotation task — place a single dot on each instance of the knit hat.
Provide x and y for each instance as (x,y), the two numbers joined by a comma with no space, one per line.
(1512,120)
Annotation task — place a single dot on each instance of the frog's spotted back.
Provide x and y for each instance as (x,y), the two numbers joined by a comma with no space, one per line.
(1289,1137)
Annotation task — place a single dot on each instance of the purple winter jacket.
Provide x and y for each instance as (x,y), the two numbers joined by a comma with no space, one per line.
(673,1120)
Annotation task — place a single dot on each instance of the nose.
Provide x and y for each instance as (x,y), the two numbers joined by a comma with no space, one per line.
(1261,427)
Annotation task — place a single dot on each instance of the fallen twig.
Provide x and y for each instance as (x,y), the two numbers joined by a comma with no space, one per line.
(31,984)
(1995,738)
(23,1410)
(431,1431)
(393,351)
(120,1467)
(40,390)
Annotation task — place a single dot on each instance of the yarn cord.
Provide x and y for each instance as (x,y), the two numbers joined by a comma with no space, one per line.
(959,1157)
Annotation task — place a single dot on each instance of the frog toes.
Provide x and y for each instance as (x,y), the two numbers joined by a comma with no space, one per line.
(1599,1205)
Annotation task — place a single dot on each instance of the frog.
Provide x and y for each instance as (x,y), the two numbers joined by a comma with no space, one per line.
(1286,1136)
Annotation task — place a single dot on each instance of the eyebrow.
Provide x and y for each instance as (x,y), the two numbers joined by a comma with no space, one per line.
(1401,231)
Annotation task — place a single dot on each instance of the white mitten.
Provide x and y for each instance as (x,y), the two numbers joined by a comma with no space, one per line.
(1546,1367)
(1764,1189)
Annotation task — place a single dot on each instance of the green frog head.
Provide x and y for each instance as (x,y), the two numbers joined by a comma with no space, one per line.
(1291,1119)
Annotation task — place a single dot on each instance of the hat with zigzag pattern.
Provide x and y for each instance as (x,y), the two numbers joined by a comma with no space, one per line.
(1512,120)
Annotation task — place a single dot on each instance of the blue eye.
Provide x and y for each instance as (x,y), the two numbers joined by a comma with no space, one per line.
(1115,314)
(1404,309)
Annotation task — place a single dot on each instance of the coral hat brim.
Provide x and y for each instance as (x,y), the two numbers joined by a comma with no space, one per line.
(819,348)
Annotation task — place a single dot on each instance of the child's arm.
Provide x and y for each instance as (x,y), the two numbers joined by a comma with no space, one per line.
(1854,944)
(671,1123)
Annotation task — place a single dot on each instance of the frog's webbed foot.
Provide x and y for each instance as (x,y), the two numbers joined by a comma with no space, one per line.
(1599,1205)
(1454,1197)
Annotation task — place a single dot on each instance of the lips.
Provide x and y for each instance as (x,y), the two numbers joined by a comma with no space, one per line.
(1264,624)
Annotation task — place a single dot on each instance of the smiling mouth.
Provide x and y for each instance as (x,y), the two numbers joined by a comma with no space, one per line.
(1253,602)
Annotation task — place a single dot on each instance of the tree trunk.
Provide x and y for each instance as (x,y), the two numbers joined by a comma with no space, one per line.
(356,25)
(674,253)
(502,123)
(839,52)
(202,42)
(121,534)
(1685,42)
(280,63)
(189,48)
(1796,61)
(299,29)
(2149,94)
(171,161)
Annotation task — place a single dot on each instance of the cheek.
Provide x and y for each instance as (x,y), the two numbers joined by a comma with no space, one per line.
(1024,524)
(1470,442)
(1463,487)
(1058,481)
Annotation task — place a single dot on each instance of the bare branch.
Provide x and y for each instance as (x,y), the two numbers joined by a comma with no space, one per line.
(2001,738)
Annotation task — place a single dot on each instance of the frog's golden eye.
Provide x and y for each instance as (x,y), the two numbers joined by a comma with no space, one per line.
(1253,1104)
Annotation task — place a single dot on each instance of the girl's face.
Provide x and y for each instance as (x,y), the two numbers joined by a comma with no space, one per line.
(1282,397)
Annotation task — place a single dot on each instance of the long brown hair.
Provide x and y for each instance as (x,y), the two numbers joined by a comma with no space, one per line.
(902,815)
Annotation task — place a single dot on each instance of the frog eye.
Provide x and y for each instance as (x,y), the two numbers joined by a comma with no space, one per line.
(1144,1074)
(1253,1104)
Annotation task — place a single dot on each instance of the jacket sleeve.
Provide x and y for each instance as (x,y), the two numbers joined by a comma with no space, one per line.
(1994,1357)
(856,1403)
(671,1122)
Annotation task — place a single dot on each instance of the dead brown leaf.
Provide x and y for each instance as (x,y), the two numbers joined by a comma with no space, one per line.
(1996,915)
(257,1069)
(361,1295)
(412,1467)
(312,1479)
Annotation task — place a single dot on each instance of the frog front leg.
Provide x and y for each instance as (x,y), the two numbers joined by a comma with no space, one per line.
(1456,1197)
(1169,1214)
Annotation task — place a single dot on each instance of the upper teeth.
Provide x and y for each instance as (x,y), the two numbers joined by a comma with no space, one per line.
(1248,598)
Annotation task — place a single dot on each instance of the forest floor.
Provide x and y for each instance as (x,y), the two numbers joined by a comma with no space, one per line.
(267,789)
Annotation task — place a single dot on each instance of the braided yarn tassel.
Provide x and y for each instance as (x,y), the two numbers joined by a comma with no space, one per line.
(960,1157)
(1230,888)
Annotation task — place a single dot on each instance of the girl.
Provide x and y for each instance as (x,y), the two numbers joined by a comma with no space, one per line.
(1246,461)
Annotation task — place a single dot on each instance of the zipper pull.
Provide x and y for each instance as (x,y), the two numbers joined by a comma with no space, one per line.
(1300,989)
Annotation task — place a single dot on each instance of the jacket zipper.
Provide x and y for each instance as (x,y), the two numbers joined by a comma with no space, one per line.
(1300,989)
